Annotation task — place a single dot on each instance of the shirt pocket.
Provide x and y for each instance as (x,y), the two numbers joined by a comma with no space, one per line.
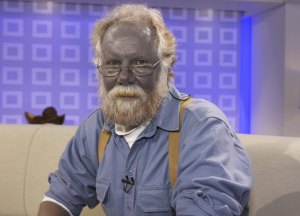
(155,199)
(102,188)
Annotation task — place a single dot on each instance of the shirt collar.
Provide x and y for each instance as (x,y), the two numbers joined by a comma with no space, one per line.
(167,117)
(168,114)
(108,126)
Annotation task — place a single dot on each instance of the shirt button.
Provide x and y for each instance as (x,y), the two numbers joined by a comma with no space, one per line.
(128,208)
(130,173)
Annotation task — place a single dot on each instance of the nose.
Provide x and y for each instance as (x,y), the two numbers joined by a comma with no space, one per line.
(126,77)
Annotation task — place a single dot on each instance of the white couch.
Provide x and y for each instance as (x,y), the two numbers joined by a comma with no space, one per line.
(30,152)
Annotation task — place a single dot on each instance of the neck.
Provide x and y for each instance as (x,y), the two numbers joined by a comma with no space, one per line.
(126,128)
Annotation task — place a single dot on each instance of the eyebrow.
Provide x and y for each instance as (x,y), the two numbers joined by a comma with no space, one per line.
(140,55)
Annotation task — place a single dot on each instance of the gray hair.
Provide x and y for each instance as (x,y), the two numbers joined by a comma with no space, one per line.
(140,15)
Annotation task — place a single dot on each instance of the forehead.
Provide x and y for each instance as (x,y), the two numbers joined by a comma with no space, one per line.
(128,39)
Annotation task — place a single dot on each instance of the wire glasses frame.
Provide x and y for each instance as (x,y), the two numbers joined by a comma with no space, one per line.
(137,70)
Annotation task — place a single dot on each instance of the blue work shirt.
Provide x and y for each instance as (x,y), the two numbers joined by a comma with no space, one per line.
(214,173)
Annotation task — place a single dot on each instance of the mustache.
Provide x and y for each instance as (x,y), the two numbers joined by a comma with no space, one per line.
(127,91)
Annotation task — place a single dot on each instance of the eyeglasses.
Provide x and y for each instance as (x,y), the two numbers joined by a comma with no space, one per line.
(136,69)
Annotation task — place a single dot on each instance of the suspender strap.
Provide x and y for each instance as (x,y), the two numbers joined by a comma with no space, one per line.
(174,145)
(102,142)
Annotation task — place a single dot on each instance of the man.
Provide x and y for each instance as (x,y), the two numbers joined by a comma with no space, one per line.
(135,53)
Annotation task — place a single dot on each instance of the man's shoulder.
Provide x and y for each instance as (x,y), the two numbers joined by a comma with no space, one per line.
(95,115)
(94,121)
(202,109)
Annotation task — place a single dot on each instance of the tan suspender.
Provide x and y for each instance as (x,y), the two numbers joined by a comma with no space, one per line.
(103,140)
(173,144)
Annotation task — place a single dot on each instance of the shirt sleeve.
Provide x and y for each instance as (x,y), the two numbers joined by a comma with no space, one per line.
(58,203)
(215,175)
(73,184)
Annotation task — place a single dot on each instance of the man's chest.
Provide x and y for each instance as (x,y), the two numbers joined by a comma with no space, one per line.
(145,165)
(146,161)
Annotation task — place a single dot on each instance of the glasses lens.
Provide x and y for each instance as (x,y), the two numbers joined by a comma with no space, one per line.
(109,70)
(142,70)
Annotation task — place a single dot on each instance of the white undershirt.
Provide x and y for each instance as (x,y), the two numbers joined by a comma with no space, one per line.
(130,137)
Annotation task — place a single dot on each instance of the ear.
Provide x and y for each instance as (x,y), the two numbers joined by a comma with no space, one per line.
(170,73)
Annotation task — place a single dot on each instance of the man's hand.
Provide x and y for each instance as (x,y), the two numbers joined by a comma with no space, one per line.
(51,209)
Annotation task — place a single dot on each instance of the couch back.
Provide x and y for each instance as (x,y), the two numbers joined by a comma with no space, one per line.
(30,152)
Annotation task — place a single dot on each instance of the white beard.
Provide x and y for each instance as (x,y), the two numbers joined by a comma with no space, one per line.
(131,105)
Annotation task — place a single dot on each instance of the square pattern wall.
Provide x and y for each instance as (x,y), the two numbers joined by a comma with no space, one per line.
(46,59)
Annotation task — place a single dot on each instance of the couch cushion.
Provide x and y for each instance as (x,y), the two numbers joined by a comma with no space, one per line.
(15,143)
(46,149)
(276,164)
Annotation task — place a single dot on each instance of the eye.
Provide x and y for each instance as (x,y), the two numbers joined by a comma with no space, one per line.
(141,62)
(113,62)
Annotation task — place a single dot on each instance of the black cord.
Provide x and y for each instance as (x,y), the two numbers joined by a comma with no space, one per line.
(127,183)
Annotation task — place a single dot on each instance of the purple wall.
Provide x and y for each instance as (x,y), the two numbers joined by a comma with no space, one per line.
(46,58)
